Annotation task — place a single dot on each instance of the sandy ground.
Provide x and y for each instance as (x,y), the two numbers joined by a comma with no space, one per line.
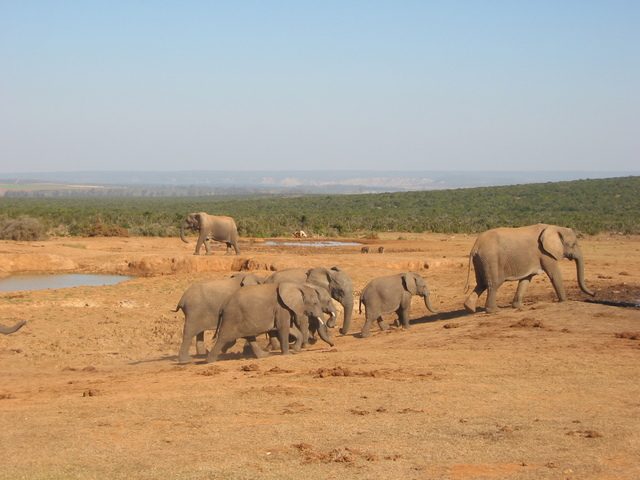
(90,387)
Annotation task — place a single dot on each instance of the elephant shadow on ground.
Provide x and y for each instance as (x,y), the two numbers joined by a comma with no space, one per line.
(443,316)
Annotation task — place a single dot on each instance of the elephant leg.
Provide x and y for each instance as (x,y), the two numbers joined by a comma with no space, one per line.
(297,334)
(369,317)
(202,238)
(492,305)
(382,324)
(471,302)
(274,343)
(553,272)
(201,349)
(257,349)
(403,317)
(187,334)
(216,350)
(235,248)
(522,288)
(228,252)
(207,248)
(283,336)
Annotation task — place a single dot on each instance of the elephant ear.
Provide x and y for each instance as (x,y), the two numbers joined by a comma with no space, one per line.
(409,283)
(551,242)
(291,297)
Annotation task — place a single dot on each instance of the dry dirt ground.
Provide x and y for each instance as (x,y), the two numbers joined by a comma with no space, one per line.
(90,388)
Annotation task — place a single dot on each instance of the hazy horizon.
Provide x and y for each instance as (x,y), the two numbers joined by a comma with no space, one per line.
(287,85)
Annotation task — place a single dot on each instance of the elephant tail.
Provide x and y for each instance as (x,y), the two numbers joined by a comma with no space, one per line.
(360,305)
(215,334)
(473,251)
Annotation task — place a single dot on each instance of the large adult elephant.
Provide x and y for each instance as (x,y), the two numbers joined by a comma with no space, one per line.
(17,326)
(201,304)
(392,293)
(214,227)
(258,309)
(334,280)
(506,254)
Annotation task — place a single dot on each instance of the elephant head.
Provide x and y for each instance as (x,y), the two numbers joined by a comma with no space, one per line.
(303,302)
(14,328)
(561,242)
(191,222)
(317,324)
(339,285)
(415,285)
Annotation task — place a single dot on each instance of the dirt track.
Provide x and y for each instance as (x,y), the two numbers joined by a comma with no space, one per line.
(90,387)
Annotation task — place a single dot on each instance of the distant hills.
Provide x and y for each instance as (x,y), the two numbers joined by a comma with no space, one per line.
(205,183)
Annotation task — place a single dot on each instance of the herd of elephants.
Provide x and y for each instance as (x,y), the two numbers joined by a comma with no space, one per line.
(292,306)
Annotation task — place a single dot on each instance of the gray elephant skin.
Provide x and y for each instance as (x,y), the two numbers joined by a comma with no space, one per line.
(215,227)
(201,304)
(507,254)
(389,294)
(259,309)
(333,280)
(14,328)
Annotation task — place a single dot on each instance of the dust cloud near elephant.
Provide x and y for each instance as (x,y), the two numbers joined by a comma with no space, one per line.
(215,227)
(508,254)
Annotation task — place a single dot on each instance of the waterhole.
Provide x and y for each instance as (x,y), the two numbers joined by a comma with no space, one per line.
(42,282)
(328,243)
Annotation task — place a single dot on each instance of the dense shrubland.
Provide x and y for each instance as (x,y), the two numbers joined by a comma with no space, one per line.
(590,206)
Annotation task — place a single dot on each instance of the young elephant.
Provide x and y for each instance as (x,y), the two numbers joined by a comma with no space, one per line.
(392,294)
(334,280)
(315,326)
(259,309)
(201,304)
(504,254)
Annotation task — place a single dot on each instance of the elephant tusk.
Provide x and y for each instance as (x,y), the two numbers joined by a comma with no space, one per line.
(320,320)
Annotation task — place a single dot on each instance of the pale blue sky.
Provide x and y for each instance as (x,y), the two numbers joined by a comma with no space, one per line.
(385,85)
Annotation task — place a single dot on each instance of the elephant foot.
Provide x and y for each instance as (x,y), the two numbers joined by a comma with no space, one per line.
(383,325)
(470,306)
(343,331)
(491,309)
(517,305)
(365,334)
(184,360)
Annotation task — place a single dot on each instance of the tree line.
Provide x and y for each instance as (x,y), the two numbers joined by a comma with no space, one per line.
(589,206)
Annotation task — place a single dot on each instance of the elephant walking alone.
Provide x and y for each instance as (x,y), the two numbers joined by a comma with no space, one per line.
(214,227)
(506,254)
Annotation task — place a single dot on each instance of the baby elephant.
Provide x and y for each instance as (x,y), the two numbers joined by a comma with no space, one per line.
(392,294)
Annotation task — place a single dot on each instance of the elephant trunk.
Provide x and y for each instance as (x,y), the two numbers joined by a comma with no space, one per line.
(7,330)
(324,333)
(184,225)
(427,303)
(580,271)
(182,232)
(347,305)
(331,323)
